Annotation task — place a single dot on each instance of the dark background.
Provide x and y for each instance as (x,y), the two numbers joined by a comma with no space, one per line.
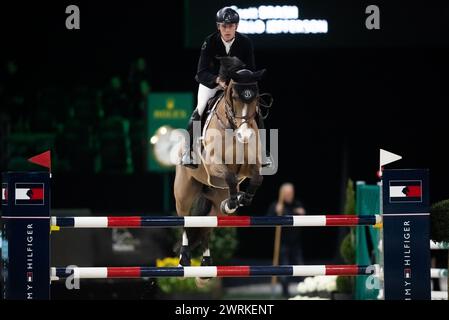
(336,103)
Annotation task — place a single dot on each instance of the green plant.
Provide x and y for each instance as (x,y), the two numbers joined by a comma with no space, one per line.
(347,246)
(223,244)
(347,250)
(345,284)
(349,207)
(439,221)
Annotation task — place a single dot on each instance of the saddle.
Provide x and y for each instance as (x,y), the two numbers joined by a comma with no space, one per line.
(209,107)
(205,117)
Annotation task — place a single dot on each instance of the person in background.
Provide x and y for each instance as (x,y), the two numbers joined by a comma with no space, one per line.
(290,248)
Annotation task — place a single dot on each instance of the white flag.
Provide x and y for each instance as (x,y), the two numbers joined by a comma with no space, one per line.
(387,157)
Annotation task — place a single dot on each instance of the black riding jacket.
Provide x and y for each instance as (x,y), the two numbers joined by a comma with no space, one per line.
(209,65)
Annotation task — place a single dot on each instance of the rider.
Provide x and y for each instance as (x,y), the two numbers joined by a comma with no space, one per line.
(226,41)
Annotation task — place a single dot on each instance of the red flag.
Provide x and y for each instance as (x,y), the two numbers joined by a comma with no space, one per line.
(43,159)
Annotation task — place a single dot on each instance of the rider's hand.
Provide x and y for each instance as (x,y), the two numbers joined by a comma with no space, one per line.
(221,82)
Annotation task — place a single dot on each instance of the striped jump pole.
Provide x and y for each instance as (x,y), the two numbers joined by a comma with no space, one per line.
(437,273)
(215,222)
(439,295)
(212,271)
(439,245)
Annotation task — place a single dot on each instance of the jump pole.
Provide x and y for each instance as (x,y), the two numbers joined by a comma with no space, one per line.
(214,221)
(212,271)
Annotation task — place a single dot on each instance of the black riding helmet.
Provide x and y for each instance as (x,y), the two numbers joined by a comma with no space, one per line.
(227,15)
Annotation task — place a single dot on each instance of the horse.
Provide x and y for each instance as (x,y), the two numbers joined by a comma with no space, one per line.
(230,152)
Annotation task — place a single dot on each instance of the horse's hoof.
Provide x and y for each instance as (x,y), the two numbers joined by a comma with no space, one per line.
(224,207)
(183,262)
(184,257)
(206,261)
(240,197)
(244,200)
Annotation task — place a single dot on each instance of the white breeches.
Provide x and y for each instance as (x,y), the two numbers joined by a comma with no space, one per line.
(204,94)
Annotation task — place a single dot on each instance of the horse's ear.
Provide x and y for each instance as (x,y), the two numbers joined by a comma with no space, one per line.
(259,74)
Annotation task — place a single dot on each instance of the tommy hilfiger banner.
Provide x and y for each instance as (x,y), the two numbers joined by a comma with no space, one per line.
(26,236)
(405,191)
(406,225)
(29,194)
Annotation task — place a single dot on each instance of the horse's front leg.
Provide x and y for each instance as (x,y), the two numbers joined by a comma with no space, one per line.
(184,254)
(231,204)
(245,198)
(206,261)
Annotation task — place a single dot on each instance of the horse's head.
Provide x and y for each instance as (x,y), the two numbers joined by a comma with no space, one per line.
(241,95)
(242,98)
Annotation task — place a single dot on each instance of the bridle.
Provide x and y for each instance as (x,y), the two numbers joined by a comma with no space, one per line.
(229,107)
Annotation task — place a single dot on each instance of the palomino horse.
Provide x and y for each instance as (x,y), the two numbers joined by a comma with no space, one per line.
(230,152)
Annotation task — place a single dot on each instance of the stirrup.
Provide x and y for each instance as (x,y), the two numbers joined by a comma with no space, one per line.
(187,161)
(268,162)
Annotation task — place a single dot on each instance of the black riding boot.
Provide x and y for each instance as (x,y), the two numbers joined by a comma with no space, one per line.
(266,161)
(187,159)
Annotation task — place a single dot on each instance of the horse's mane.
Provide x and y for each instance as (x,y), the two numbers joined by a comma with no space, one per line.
(234,68)
(229,66)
